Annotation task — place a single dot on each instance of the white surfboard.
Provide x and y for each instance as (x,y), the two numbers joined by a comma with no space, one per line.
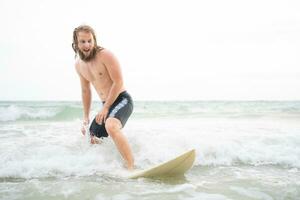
(175,167)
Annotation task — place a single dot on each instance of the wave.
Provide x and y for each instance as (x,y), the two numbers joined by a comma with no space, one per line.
(34,149)
(45,162)
(279,152)
(39,112)
(61,111)
(247,154)
(219,109)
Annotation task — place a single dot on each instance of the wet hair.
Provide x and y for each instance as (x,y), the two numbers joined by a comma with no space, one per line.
(88,29)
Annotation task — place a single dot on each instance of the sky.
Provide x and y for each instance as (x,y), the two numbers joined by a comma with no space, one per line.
(168,49)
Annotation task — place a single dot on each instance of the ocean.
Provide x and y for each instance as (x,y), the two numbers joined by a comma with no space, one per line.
(246,150)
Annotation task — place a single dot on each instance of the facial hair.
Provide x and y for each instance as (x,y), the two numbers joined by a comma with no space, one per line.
(88,57)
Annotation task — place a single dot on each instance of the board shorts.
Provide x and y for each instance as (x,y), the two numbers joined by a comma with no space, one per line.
(121,109)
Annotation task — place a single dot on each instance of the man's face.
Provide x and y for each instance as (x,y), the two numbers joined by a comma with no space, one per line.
(85,43)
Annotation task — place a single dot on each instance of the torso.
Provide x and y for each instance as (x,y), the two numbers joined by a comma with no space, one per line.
(96,73)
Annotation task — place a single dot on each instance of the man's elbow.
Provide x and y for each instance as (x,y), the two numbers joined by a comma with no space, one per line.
(85,91)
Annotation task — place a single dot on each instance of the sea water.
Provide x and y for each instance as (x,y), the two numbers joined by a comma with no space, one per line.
(245,150)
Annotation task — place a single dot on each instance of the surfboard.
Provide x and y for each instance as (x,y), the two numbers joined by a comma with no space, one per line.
(174,167)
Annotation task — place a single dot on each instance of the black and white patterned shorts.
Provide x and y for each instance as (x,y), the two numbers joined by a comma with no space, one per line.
(120,109)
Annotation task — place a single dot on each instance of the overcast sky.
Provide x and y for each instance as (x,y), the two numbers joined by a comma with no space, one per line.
(168,50)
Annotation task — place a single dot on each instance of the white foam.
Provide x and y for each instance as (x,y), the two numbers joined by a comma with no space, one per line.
(55,150)
(58,148)
(222,142)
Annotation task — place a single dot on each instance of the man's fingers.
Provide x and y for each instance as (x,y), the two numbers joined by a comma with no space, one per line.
(104,118)
(83,130)
(99,119)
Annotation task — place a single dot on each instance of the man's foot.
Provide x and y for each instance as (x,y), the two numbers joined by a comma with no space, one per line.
(129,167)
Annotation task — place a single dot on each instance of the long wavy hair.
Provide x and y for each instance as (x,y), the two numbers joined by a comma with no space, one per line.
(77,51)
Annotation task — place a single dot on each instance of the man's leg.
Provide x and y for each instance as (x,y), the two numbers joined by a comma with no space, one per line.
(113,127)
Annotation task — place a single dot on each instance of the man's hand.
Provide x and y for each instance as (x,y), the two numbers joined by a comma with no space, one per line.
(102,115)
(84,126)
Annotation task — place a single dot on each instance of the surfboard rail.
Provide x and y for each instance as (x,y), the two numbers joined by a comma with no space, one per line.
(174,167)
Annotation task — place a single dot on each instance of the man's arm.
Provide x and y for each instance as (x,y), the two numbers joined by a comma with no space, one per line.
(86,97)
(114,70)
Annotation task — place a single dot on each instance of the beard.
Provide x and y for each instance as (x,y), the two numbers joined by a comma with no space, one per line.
(88,57)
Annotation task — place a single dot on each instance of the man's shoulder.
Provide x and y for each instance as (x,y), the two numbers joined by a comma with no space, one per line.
(76,63)
(105,54)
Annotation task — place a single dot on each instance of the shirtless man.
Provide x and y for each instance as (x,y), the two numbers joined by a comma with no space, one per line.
(99,67)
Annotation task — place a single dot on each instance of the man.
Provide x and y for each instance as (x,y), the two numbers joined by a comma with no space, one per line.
(99,67)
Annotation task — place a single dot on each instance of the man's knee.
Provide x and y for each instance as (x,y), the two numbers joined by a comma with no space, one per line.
(112,126)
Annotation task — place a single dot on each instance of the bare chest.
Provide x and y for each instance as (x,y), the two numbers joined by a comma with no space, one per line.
(93,72)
